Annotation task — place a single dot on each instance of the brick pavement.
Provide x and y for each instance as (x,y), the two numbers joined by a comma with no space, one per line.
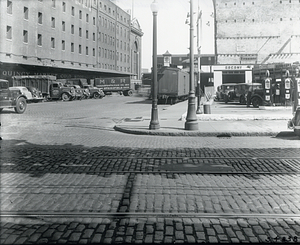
(157,206)
(72,162)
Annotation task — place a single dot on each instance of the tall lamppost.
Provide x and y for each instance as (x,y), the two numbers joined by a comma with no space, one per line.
(191,118)
(154,123)
(199,59)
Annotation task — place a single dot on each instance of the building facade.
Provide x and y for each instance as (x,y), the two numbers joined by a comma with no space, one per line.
(254,32)
(67,38)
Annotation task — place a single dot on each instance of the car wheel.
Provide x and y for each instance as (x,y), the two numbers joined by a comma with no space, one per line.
(129,93)
(1,109)
(21,105)
(96,95)
(65,97)
(256,102)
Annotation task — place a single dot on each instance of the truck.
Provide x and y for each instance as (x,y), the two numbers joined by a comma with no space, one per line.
(11,97)
(120,85)
(82,82)
(47,84)
(173,84)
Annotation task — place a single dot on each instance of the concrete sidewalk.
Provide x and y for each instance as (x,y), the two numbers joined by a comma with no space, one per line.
(224,120)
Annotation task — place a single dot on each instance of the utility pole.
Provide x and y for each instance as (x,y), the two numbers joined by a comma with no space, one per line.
(191,118)
(199,43)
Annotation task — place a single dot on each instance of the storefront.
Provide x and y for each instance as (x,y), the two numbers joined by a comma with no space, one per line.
(232,74)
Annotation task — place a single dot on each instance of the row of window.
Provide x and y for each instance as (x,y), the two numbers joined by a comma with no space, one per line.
(112,67)
(111,26)
(107,39)
(108,10)
(105,53)
(40,15)
(110,54)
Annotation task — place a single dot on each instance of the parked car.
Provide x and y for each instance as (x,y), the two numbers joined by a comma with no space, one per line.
(12,97)
(240,92)
(30,97)
(37,95)
(223,91)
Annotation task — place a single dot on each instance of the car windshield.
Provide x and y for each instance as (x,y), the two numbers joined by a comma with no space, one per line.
(3,85)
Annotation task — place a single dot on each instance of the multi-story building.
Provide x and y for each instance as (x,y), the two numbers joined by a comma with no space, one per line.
(67,38)
(251,32)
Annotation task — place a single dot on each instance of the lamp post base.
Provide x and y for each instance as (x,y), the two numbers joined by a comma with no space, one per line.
(191,119)
(154,125)
(193,125)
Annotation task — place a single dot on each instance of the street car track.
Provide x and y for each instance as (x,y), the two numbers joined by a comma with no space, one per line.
(144,214)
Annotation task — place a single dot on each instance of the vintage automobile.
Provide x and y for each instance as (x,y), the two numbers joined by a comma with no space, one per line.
(240,92)
(12,97)
(79,92)
(94,91)
(223,91)
(30,94)
(36,94)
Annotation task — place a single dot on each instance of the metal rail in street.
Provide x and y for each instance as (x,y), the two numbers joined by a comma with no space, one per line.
(145,214)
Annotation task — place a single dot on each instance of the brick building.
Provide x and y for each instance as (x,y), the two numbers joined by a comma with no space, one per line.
(250,32)
(68,38)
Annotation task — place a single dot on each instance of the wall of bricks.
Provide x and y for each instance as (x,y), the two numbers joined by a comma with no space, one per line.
(256,27)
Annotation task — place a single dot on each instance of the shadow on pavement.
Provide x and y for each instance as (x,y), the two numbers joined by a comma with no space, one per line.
(287,135)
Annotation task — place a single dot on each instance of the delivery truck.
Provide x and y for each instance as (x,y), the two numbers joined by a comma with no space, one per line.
(47,85)
(114,84)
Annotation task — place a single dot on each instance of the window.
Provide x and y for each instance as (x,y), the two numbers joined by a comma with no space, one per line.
(39,40)
(25,36)
(87,17)
(52,42)
(87,50)
(25,13)
(63,45)
(72,29)
(94,37)
(9,6)
(63,26)
(79,49)
(72,47)
(40,18)
(87,34)
(80,32)
(53,22)
(8,32)
(80,14)
(94,52)
(73,11)
(64,6)
(94,21)
(53,3)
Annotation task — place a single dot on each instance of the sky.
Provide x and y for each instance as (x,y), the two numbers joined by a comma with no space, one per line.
(172,32)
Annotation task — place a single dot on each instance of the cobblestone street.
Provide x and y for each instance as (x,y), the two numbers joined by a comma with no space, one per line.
(74,180)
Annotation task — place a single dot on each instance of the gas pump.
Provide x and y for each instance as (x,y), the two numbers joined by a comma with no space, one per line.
(287,86)
(268,91)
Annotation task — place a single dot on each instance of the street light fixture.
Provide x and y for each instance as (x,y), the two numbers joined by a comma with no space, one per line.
(191,119)
(154,123)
